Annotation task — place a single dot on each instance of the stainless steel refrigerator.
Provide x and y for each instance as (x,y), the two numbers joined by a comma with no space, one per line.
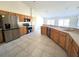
(10,27)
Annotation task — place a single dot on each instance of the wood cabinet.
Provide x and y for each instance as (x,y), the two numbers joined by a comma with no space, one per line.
(23,30)
(62,39)
(52,34)
(56,35)
(1,37)
(68,44)
(74,49)
(4,12)
(21,18)
(49,32)
(44,30)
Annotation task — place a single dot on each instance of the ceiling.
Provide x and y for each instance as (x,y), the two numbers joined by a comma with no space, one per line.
(51,9)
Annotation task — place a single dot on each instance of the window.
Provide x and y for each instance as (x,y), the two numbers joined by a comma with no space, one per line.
(63,22)
(52,22)
(48,22)
(78,23)
(66,22)
(60,23)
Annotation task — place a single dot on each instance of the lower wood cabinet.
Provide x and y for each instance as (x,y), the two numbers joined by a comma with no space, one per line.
(49,32)
(52,34)
(68,44)
(1,37)
(23,30)
(74,49)
(62,39)
(56,35)
(43,30)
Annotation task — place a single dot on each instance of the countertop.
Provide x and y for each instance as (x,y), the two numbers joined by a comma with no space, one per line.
(73,33)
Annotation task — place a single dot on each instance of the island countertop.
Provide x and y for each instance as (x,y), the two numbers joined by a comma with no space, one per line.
(74,33)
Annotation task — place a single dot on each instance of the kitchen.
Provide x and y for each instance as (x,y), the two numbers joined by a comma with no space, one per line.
(39,29)
(9,26)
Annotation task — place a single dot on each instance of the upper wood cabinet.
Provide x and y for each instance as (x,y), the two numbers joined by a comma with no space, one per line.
(21,18)
(12,14)
(3,12)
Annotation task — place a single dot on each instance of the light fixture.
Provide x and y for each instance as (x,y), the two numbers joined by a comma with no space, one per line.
(3,16)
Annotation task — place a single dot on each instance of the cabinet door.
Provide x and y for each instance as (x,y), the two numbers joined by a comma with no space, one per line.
(44,30)
(21,18)
(74,49)
(4,12)
(49,32)
(41,30)
(23,31)
(56,35)
(1,37)
(62,39)
(68,44)
(52,33)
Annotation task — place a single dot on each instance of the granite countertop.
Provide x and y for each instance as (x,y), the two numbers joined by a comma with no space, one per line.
(75,36)
(73,33)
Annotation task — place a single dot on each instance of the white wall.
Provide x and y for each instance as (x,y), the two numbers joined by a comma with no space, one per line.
(15,6)
(38,23)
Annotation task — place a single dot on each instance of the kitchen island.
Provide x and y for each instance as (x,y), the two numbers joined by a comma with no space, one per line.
(67,38)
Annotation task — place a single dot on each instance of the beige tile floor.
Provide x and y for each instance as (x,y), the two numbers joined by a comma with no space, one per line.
(32,45)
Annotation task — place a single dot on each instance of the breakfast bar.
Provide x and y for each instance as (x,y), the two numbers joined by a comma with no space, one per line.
(66,38)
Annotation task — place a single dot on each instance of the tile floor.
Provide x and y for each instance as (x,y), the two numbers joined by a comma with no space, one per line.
(32,45)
